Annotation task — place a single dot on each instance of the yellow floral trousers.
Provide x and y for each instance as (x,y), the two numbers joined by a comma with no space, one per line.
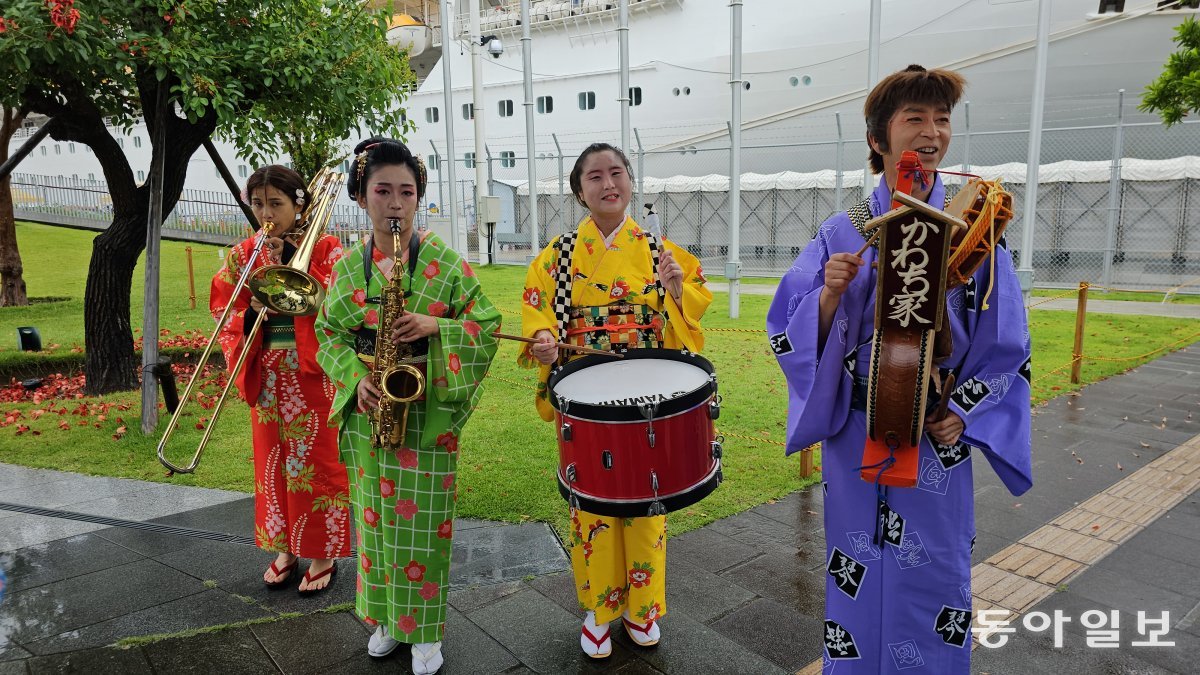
(620,563)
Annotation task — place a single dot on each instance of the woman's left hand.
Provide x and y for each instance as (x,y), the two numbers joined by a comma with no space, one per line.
(947,431)
(410,327)
(671,274)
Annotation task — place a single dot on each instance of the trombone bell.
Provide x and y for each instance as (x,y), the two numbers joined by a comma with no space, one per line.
(287,290)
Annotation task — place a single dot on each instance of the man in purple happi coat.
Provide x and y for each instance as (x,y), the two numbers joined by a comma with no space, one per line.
(898,587)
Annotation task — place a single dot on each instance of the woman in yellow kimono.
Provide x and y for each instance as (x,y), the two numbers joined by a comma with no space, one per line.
(619,563)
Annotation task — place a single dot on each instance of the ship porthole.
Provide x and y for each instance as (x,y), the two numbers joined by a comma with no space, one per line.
(675,91)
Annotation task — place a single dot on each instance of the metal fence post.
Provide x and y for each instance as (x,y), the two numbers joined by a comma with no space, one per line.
(966,162)
(440,170)
(837,187)
(1114,191)
(641,177)
(562,200)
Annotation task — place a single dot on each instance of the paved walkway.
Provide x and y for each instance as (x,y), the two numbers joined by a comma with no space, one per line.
(1111,525)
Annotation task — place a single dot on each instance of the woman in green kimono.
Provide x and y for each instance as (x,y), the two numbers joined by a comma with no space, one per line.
(403,496)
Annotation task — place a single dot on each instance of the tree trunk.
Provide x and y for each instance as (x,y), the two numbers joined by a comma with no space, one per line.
(111,363)
(12,284)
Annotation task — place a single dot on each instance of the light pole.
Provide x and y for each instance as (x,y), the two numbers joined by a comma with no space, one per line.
(481,188)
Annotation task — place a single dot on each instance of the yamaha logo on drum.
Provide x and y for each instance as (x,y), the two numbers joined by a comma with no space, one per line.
(642,400)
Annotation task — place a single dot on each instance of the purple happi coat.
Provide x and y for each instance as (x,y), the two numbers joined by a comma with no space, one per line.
(900,598)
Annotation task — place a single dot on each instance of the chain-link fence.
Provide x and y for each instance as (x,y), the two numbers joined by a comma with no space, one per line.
(1110,227)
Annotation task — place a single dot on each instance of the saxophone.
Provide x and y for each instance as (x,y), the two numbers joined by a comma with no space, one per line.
(394,372)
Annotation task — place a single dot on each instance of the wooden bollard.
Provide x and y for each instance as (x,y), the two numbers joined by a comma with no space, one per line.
(191,279)
(806,461)
(1080,320)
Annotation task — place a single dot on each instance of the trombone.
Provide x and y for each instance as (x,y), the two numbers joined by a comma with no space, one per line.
(286,289)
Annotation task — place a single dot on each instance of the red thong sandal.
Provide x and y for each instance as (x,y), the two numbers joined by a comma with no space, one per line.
(597,643)
(330,572)
(280,579)
(645,635)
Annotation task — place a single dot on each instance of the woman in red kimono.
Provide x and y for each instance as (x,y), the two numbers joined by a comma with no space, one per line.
(301,494)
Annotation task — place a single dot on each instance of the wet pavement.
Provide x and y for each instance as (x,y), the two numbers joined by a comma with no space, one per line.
(745,594)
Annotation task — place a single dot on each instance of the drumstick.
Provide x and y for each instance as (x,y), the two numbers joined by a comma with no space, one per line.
(944,404)
(868,244)
(560,345)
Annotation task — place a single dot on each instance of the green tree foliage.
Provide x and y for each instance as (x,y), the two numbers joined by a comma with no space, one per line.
(1176,92)
(253,71)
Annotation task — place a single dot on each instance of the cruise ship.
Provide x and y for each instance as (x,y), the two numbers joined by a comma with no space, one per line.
(804,71)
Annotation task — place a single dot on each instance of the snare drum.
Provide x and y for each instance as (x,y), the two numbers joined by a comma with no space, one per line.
(636,435)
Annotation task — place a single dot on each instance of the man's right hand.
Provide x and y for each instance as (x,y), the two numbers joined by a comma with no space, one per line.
(840,270)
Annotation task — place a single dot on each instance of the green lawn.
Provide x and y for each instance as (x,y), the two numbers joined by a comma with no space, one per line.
(508,458)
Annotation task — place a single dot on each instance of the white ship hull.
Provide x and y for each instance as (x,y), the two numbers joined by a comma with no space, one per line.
(804,62)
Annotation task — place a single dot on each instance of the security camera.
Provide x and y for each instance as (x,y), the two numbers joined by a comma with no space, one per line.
(494,46)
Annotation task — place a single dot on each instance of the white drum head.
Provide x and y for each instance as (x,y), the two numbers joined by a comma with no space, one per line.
(630,382)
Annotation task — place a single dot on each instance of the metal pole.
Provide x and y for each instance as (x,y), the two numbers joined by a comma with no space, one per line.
(837,187)
(153,247)
(481,188)
(530,139)
(562,196)
(733,266)
(1114,190)
(641,176)
(872,78)
(966,163)
(1025,270)
(447,21)
(623,79)
(229,182)
(26,148)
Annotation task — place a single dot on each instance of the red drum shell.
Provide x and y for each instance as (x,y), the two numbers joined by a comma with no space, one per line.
(606,448)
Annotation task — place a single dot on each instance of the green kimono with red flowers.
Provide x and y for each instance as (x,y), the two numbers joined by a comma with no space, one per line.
(404,499)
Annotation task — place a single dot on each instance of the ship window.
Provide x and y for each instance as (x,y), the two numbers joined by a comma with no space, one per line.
(431,115)
(635,96)
(746,85)
(675,91)
(141,176)
(468,113)
(91,176)
(137,141)
(687,91)
(587,100)
(57,149)
(469,160)
(433,163)
(242,171)
(1114,6)
(71,148)
(508,159)
(506,108)
(43,150)
(121,142)
(545,104)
